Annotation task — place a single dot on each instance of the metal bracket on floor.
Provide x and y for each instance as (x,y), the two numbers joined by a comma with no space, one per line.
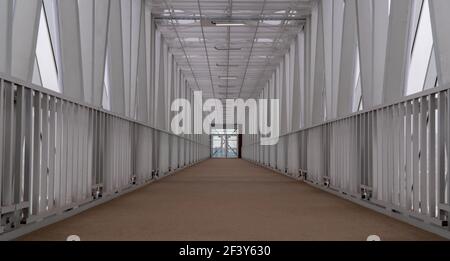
(302,174)
(366,192)
(155,173)
(13,216)
(97,191)
(133,180)
(444,211)
(326,182)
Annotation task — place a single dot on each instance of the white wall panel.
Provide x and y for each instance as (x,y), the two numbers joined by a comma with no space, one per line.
(115,57)
(440,19)
(6,15)
(94,34)
(398,53)
(23,38)
(69,35)
(137,23)
(142,80)
(87,34)
(318,112)
(380,31)
(348,57)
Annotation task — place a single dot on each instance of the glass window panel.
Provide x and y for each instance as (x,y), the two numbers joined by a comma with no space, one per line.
(45,56)
(421,54)
(357,93)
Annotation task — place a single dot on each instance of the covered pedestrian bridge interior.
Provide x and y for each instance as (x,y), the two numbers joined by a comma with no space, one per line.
(88,147)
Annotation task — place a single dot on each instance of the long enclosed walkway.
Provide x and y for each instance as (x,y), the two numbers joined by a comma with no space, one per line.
(229,200)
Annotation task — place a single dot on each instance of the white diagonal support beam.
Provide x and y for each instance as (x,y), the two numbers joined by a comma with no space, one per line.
(319,72)
(348,60)
(94,34)
(398,51)
(115,51)
(23,39)
(70,45)
(142,87)
(6,12)
(440,20)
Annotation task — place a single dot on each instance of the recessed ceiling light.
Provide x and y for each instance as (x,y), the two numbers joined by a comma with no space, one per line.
(227,49)
(227,77)
(264,40)
(186,21)
(175,11)
(227,65)
(264,56)
(229,23)
(272,22)
(193,39)
(227,86)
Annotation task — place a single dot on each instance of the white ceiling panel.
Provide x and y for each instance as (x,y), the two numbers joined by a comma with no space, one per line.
(229,45)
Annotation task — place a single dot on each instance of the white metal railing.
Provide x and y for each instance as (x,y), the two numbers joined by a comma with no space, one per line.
(57,154)
(395,156)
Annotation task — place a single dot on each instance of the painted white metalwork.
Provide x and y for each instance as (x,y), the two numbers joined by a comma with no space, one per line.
(372,126)
(392,156)
(118,64)
(59,154)
(99,124)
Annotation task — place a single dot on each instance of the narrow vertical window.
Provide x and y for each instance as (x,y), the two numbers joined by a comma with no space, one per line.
(421,53)
(357,91)
(46,65)
(106,88)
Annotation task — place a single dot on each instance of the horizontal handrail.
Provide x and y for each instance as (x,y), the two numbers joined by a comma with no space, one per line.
(58,154)
(43,90)
(375,108)
(393,156)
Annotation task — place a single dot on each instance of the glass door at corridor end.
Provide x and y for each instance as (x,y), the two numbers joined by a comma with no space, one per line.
(224,143)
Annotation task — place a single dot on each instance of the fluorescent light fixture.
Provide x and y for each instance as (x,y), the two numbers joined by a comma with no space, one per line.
(264,56)
(264,40)
(227,65)
(226,86)
(193,39)
(186,21)
(175,11)
(229,24)
(227,77)
(228,49)
(272,22)
(281,12)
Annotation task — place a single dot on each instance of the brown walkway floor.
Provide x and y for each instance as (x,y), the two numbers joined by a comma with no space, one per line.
(229,200)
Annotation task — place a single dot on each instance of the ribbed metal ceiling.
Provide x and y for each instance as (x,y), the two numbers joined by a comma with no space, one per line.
(229,48)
